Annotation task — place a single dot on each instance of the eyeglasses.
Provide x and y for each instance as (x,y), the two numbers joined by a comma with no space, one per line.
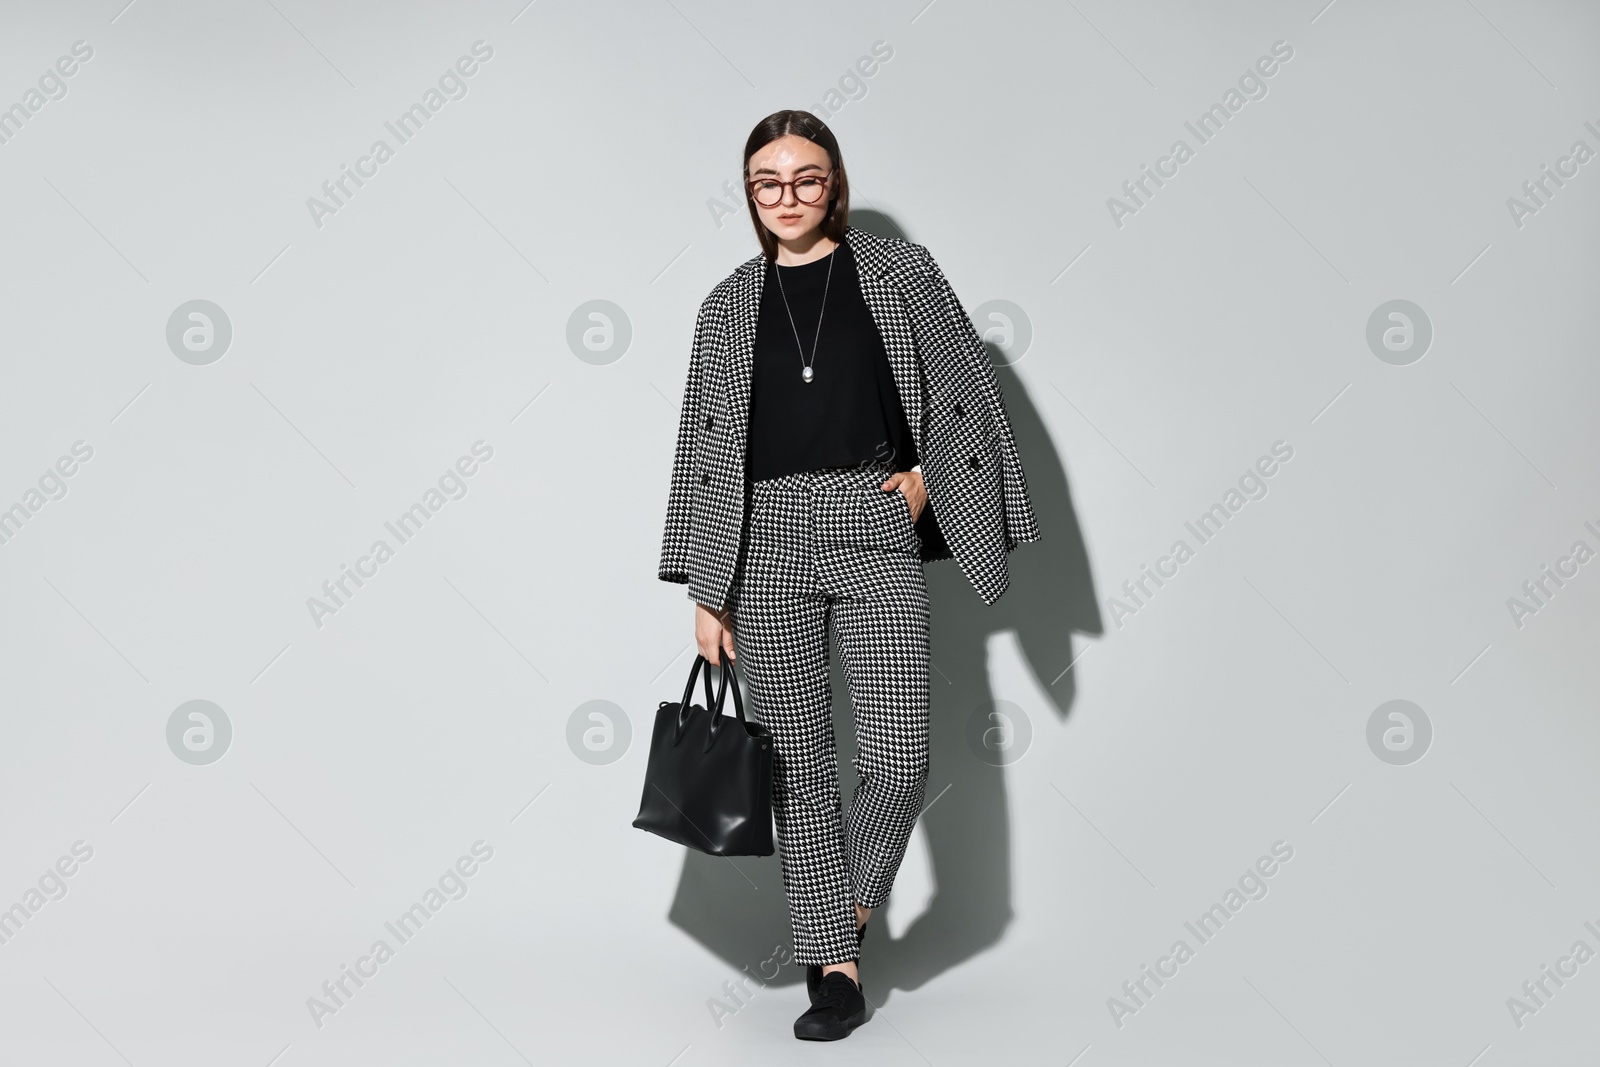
(768,192)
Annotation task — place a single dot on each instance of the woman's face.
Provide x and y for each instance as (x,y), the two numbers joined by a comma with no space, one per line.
(786,159)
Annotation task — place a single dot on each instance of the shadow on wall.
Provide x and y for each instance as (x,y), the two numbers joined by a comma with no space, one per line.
(736,906)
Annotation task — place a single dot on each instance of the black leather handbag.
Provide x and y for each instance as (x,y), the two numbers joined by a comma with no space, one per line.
(708,785)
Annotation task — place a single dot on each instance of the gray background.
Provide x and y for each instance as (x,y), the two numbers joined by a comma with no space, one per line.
(437,707)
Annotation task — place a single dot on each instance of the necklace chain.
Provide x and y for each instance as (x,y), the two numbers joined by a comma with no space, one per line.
(805,368)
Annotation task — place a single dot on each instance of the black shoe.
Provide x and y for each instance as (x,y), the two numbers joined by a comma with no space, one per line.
(814,970)
(839,1009)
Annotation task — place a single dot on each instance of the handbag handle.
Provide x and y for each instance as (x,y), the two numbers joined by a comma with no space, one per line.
(688,692)
(738,702)
(715,706)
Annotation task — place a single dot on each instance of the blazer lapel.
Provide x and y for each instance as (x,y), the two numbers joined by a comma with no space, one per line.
(882,285)
(741,353)
(883,278)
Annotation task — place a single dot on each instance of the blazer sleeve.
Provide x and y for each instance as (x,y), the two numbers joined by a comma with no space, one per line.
(675,541)
(1020,523)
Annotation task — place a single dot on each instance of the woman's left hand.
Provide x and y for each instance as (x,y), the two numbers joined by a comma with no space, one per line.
(910,485)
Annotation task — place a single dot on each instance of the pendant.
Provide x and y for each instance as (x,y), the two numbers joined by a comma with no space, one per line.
(805,374)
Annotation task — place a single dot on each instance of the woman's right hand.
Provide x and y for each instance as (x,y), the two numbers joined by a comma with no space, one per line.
(713,632)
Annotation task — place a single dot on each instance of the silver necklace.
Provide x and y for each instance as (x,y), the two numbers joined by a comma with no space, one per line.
(806,373)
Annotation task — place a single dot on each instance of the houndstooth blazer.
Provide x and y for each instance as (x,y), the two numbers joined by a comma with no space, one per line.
(953,405)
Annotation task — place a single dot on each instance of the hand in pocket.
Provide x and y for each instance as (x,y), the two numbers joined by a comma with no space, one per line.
(910,485)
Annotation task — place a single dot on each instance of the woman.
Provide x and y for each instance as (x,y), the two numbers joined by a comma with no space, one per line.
(841,425)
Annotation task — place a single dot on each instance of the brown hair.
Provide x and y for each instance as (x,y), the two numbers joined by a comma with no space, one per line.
(802,124)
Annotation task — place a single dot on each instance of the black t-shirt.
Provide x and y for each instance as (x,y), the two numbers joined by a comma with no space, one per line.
(850,412)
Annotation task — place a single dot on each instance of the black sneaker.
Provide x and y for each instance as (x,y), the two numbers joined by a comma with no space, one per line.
(814,970)
(839,1009)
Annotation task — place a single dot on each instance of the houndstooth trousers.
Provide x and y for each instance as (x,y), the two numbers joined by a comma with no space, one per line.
(829,549)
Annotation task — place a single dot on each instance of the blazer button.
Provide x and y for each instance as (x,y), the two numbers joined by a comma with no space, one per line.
(705,479)
(974,462)
(960,411)
(709,421)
